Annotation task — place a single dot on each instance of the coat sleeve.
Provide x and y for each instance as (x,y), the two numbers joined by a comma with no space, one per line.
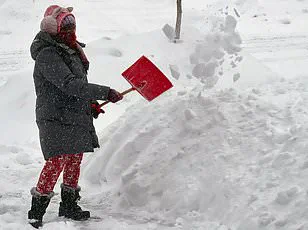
(55,70)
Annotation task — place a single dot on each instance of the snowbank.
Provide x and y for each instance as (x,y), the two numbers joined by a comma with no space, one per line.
(177,157)
(227,156)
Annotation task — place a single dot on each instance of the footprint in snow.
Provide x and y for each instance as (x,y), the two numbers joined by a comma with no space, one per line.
(109,52)
(285,21)
(10,149)
(114,52)
(7,208)
(24,159)
(106,38)
(5,32)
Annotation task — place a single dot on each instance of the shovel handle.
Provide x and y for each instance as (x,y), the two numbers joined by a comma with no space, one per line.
(123,93)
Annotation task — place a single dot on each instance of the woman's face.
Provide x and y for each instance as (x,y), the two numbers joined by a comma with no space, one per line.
(68,37)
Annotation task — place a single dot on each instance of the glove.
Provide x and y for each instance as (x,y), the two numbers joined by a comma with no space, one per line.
(114,96)
(95,109)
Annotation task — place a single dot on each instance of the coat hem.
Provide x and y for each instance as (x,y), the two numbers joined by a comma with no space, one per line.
(50,155)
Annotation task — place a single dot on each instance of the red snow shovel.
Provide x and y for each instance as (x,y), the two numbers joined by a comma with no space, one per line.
(146,78)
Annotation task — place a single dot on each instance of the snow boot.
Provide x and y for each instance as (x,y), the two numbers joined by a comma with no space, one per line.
(68,206)
(39,205)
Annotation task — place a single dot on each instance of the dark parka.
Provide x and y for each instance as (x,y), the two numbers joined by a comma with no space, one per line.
(63,110)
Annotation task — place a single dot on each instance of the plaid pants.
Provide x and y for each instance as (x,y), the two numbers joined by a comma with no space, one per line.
(68,163)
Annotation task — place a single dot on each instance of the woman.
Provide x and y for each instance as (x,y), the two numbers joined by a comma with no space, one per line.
(63,112)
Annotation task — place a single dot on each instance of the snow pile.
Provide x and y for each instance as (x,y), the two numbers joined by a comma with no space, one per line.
(171,159)
(180,159)
(166,163)
(195,156)
(209,54)
(228,156)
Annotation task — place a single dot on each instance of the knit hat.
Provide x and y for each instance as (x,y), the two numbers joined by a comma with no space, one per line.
(57,18)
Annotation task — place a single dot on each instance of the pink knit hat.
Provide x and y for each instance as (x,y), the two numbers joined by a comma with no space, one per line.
(53,18)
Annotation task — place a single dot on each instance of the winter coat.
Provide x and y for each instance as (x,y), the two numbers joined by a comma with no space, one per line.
(63,110)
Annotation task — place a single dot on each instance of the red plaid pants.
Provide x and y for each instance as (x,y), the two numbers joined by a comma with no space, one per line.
(68,163)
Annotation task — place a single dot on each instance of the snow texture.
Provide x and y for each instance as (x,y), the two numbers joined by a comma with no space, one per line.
(224,149)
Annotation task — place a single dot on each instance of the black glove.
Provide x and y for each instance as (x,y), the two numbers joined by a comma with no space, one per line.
(114,96)
(96,109)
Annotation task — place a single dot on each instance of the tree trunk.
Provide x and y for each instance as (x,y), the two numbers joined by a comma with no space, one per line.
(178,19)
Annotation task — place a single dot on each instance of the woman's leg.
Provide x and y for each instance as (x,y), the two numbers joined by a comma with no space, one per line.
(50,174)
(70,190)
(72,170)
(43,192)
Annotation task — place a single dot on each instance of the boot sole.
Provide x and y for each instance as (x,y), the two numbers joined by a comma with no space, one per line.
(76,219)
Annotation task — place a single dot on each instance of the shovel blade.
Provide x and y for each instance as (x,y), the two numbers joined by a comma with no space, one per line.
(147,79)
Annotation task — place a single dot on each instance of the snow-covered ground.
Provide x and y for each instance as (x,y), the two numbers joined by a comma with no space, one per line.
(225,148)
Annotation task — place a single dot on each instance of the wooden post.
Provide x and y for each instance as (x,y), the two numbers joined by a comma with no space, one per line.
(178,19)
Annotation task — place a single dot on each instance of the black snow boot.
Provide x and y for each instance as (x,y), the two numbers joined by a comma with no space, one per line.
(68,207)
(39,205)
